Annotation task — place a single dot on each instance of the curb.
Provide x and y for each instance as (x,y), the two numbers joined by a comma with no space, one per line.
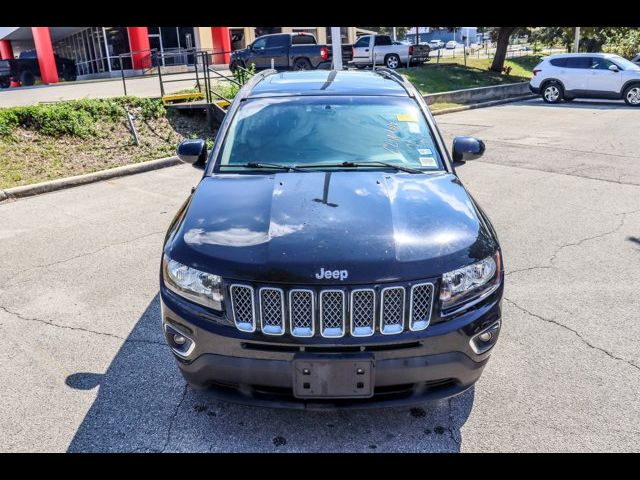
(482,104)
(62,183)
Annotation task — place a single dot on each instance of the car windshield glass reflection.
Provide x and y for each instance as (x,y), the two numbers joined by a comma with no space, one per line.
(330,130)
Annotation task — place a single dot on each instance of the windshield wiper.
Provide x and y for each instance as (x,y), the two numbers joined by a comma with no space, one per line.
(264,165)
(362,164)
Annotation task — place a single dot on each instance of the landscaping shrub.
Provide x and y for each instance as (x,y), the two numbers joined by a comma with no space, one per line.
(76,117)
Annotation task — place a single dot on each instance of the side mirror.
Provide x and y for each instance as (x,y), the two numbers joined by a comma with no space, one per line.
(192,151)
(467,148)
(614,68)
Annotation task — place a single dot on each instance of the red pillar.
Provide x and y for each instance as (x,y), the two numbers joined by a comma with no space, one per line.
(6,52)
(221,43)
(139,42)
(44,50)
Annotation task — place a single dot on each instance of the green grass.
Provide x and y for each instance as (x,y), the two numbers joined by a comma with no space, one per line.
(48,141)
(454,75)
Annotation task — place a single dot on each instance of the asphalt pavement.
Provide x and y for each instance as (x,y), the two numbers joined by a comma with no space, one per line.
(85,368)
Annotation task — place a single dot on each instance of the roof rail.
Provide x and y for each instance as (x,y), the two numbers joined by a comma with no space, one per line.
(253,81)
(395,76)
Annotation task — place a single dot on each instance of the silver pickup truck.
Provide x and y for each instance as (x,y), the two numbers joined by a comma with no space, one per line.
(381,50)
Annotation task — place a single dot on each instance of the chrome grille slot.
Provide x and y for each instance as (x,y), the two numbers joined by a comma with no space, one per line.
(302,313)
(332,313)
(420,306)
(272,311)
(243,307)
(363,312)
(392,310)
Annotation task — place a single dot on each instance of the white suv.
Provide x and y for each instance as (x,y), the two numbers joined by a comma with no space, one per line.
(586,75)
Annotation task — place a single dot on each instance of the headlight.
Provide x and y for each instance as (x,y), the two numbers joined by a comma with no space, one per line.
(200,287)
(470,283)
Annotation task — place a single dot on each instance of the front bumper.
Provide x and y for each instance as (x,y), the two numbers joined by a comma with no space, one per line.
(251,368)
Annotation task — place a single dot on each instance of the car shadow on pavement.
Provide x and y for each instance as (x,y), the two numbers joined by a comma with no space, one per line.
(579,103)
(143,405)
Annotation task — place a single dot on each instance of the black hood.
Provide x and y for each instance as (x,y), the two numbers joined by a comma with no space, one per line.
(285,227)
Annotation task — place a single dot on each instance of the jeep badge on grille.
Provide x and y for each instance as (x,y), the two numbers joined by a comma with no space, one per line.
(329,274)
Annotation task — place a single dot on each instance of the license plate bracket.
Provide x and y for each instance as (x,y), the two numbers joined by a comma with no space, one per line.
(318,376)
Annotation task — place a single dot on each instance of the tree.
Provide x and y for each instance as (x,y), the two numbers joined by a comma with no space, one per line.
(502,35)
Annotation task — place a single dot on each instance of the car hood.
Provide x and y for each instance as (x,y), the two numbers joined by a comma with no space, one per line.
(286,227)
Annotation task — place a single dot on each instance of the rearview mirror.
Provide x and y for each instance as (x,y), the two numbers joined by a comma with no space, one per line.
(614,68)
(467,148)
(192,151)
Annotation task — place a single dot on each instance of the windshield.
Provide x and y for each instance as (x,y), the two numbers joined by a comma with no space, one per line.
(623,63)
(313,130)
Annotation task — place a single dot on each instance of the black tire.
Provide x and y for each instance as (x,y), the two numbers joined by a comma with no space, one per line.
(392,61)
(27,78)
(361,67)
(69,75)
(552,92)
(234,66)
(301,64)
(631,95)
(5,82)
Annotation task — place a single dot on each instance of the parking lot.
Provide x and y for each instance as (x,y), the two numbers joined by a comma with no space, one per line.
(85,367)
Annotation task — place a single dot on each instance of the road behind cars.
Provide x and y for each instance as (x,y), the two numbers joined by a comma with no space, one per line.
(79,309)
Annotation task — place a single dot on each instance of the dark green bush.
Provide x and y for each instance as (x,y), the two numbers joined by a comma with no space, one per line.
(76,117)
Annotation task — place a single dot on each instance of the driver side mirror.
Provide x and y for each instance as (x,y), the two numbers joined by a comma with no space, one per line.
(192,151)
(467,148)
(614,68)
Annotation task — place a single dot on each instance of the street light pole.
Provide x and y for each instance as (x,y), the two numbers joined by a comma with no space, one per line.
(576,45)
(336,48)
(394,34)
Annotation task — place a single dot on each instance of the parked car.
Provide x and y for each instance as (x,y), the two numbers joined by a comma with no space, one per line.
(294,51)
(451,44)
(586,75)
(5,73)
(636,59)
(436,44)
(386,53)
(346,264)
(26,69)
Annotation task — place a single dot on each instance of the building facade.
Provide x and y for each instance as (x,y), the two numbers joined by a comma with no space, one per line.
(105,51)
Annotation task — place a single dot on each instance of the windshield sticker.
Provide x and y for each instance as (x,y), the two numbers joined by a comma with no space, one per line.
(406,117)
(428,162)
(424,151)
(413,127)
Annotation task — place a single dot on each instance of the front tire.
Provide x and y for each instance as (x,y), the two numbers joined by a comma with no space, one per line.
(631,95)
(5,82)
(301,64)
(392,61)
(552,92)
(27,78)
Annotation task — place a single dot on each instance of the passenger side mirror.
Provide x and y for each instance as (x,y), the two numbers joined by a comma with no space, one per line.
(467,148)
(192,151)
(614,68)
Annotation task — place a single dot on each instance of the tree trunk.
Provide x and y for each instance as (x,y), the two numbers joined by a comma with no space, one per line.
(501,48)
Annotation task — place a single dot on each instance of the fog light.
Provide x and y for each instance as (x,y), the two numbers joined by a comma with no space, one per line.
(180,343)
(483,341)
(485,337)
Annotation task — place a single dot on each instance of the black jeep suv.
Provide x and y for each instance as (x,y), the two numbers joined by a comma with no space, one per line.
(330,257)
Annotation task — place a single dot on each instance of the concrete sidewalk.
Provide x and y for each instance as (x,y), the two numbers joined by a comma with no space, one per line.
(148,86)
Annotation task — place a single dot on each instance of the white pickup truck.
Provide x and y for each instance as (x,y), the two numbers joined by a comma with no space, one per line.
(381,50)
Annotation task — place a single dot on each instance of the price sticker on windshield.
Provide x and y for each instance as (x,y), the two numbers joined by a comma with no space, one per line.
(428,161)
(406,117)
